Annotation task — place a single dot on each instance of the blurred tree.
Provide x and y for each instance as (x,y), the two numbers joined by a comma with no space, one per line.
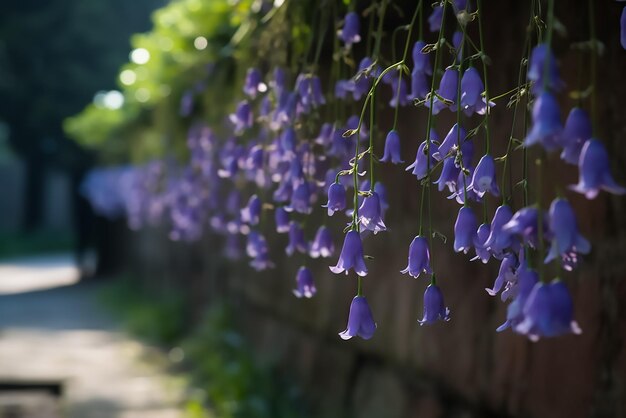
(54,55)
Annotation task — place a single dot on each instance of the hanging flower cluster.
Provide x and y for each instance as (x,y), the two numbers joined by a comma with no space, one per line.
(290,149)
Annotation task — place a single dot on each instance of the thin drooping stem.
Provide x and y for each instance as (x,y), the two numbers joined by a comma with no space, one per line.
(379,30)
(431,98)
(418,10)
(370,28)
(483,59)
(372,134)
(458,121)
(520,77)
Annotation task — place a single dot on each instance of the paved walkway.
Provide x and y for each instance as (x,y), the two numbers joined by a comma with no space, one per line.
(52,330)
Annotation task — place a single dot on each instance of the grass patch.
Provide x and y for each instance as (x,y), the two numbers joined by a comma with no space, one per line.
(157,318)
(225,378)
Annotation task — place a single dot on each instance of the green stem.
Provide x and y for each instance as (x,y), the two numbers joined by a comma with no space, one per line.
(372,133)
(370,28)
(422,210)
(458,121)
(428,127)
(322,35)
(520,75)
(482,49)
(379,30)
(418,10)
(355,178)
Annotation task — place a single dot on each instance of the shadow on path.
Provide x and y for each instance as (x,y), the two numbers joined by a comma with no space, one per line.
(52,329)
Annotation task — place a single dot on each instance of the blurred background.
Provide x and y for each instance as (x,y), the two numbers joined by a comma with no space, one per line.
(101,318)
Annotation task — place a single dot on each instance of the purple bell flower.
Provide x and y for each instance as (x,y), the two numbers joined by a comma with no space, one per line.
(536,70)
(305,287)
(288,141)
(548,312)
(594,174)
(285,110)
(455,136)
(459,5)
(370,214)
(484,178)
(262,262)
(310,90)
(300,199)
(360,320)
(525,223)
(392,148)
(254,83)
(472,88)
(523,286)
(279,82)
(296,239)
(419,85)
(283,192)
(242,118)
(421,62)
(351,256)
(482,253)
(336,198)
(465,230)
(499,240)
(350,32)
(567,242)
(449,175)
(364,186)
(576,132)
(448,90)
(322,245)
(282,220)
(464,180)
(434,20)
(421,164)
(256,244)
(421,70)
(339,147)
(325,136)
(434,307)
(255,159)
(457,38)
(419,258)
(399,90)
(364,77)
(265,108)
(506,275)
(251,213)
(343,88)
(381,191)
(546,128)
(353,123)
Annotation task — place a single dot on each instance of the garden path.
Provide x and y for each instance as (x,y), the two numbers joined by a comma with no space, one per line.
(54,332)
